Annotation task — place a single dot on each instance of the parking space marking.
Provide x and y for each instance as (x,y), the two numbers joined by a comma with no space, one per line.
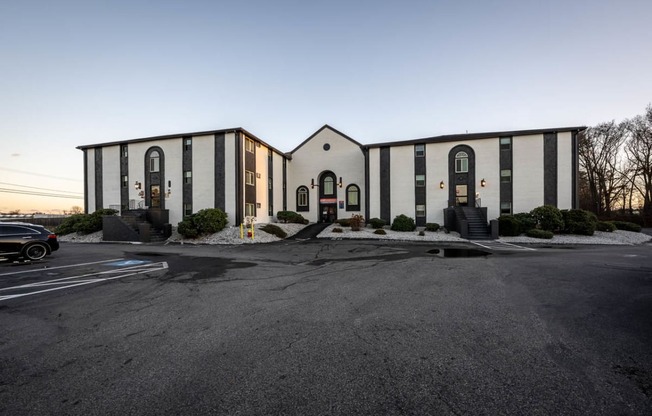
(60,267)
(67,282)
(501,245)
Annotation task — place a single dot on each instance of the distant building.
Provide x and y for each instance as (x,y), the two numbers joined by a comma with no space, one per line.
(331,176)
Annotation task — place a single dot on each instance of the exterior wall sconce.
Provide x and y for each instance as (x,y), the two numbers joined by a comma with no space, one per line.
(340,183)
(441,185)
(138,185)
(168,193)
(483,183)
(312,184)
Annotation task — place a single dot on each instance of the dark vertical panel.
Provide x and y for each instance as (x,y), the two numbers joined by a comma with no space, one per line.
(550,169)
(506,162)
(270,179)
(99,168)
(239,179)
(467,179)
(124,171)
(186,197)
(250,165)
(385,191)
(575,160)
(366,183)
(285,182)
(420,191)
(219,161)
(86,190)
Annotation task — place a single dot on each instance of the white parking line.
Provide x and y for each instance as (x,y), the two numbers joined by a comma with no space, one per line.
(65,281)
(501,245)
(59,267)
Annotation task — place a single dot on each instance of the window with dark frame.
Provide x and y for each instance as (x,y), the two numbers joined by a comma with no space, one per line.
(420,210)
(461,162)
(302,199)
(154,161)
(420,180)
(249,145)
(506,175)
(187,176)
(249,178)
(187,144)
(250,210)
(505,143)
(505,208)
(419,150)
(125,181)
(187,210)
(352,198)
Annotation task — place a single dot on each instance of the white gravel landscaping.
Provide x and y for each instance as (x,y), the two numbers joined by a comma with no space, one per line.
(231,235)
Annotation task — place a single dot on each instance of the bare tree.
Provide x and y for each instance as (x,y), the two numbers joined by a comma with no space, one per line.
(599,149)
(639,155)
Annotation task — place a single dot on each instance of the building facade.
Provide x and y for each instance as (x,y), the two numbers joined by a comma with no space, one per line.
(331,175)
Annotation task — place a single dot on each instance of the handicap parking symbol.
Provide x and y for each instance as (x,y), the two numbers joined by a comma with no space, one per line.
(123,263)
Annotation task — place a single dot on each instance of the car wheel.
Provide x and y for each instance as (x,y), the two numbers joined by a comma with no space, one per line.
(35,251)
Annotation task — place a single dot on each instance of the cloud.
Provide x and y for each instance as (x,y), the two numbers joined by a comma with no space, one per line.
(15,154)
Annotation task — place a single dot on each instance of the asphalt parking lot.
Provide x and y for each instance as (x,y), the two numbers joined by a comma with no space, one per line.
(327,327)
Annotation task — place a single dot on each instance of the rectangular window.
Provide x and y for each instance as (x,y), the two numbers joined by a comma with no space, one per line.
(249,145)
(505,143)
(270,184)
(249,177)
(187,144)
(154,164)
(187,210)
(419,150)
(506,175)
(302,198)
(125,152)
(421,210)
(420,180)
(250,210)
(187,176)
(461,165)
(270,210)
(505,208)
(125,181)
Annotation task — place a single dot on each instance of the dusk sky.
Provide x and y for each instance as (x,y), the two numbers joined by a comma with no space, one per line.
(84,72)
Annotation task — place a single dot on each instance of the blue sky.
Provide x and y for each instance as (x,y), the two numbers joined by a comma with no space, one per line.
(84,72)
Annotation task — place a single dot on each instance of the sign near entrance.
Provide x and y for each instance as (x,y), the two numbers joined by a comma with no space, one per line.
(341,204)
(328,200)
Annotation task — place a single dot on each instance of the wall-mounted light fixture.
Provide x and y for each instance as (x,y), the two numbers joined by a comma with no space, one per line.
(168,193)
(483,183)
(340,183)
(138,185)
(312,184)
(441,185)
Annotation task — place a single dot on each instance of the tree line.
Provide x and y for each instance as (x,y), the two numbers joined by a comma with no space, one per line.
(616,167)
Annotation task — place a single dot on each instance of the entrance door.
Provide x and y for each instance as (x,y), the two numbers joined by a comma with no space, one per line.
(462,195)
(155,196)
(461,176)
(327,197)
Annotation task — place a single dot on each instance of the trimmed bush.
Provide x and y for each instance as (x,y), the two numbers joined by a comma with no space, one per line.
(627,226)
(84,223)
(535,233)
(380,231)
(377,223)
(290,217)
(274,230)
(356,222)
(344,222)
(578,221)
(508,226)
(336,230)
(206,221)
(422,233)
(548,218)
(526,221)
(432,226)
(605,226)
(403,223)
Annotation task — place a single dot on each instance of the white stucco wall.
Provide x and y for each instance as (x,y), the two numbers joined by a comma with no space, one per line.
(401,162)
(527,175)
(344,158)
(203,172)
(262,193)
(564,170)
(374,183)
(111,181)
(278,184)
(229,177)
(90,180)
(487,166)
(436,171)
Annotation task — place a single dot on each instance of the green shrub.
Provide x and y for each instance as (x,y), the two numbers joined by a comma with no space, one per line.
(356,222)
(380,231)
(508,226)
(377,223)
(548,217)
(535,233)
(578,221)
(627,226)
(206,221)
(290,217)
(336,230)
(605,226)
(344,222)
(403,223)
(422,233)
(526,221)
(274,230)
(84,223)
(432,226)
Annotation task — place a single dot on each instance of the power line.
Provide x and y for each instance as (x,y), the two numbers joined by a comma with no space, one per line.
(32,193)
(43,189)
(40,174)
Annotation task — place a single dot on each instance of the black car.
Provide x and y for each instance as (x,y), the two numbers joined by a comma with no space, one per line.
(29,241)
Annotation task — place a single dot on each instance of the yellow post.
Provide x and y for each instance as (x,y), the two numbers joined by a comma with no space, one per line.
(241,231)
(252,230)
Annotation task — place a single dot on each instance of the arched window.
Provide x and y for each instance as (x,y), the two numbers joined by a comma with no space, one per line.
(154,161)
(329,182)
(352,198)
(461,162)
(302,199)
